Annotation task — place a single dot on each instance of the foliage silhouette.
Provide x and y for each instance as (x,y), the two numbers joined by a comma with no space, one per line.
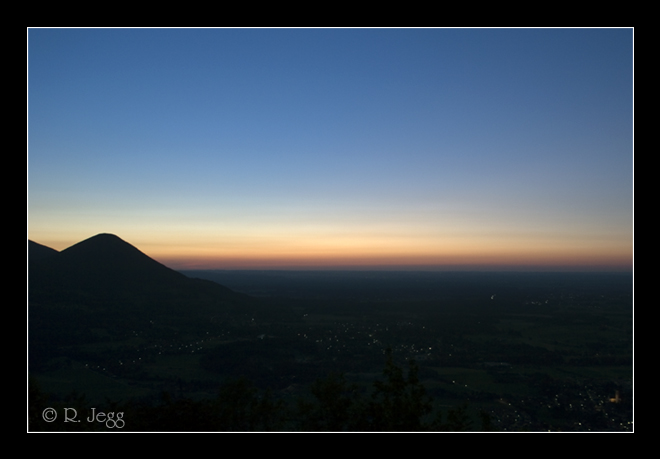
(338,407)
(398,402)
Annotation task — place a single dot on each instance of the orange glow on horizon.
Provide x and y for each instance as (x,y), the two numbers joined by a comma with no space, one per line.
(542,261)
(379,252)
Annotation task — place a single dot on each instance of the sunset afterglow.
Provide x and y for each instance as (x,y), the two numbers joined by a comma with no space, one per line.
(336,148)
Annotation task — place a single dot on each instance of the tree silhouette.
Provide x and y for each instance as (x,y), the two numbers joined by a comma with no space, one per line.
(399,403)
(338,406)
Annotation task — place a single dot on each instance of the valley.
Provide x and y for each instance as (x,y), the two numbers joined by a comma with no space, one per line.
(526,351)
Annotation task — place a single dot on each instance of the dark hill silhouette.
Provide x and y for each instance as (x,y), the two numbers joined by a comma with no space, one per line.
(38,252)
(104,287)
(104,267)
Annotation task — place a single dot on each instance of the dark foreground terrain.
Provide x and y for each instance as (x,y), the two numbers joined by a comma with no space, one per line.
(117,341)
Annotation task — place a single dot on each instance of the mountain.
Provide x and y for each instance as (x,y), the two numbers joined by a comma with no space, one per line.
(103,289)
(105,268)
(38,252)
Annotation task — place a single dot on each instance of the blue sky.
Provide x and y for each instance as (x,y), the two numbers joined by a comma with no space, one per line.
(335,147)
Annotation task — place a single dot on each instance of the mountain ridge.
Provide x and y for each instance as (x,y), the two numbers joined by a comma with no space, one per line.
(105,267)
(105,289)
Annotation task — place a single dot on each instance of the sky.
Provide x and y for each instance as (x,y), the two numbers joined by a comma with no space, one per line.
(336,148)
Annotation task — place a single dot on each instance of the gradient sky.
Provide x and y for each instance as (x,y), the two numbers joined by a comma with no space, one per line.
(252,148)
